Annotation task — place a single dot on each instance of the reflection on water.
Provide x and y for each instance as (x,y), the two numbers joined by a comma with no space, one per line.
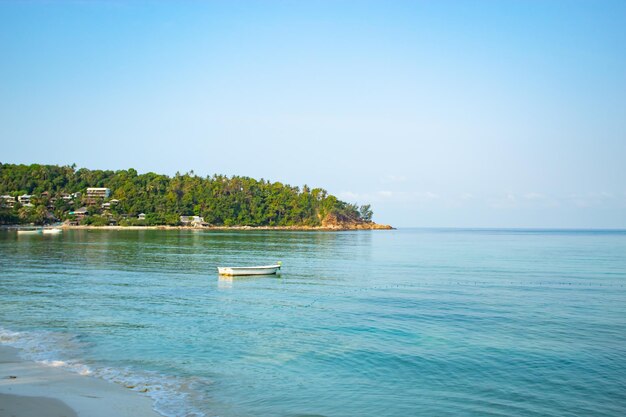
(192,249)
(384,323)
(225,283)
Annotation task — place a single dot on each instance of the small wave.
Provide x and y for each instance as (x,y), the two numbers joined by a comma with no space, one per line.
(47,348)
(172,396)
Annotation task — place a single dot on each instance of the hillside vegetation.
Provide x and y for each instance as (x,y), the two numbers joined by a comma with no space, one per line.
(220,200)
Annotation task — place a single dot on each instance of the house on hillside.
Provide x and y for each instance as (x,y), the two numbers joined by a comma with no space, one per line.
(97,194)
(7,201)
(79,213)
(24,199)
(51,202)
(193,221)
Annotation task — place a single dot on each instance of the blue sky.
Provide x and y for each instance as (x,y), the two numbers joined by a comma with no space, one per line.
(460,114)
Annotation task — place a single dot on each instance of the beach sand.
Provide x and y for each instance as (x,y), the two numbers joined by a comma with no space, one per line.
(21,406)
(30,389)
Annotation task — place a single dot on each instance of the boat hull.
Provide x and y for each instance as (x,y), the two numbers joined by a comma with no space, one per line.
(250,270)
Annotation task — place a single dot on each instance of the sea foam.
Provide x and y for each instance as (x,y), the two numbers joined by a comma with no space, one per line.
(172,396)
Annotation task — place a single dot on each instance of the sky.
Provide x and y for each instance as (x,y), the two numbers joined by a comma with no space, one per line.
(437,113)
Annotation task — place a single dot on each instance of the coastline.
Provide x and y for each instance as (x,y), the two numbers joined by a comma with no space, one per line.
(332,228)
(31,389)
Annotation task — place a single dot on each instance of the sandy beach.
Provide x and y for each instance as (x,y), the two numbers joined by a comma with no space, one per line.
(337,228)
(30,389)
(334,228)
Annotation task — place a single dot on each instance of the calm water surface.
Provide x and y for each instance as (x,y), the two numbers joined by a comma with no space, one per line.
(386,323)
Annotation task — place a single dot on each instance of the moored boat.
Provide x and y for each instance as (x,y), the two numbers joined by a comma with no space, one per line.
(53,231)
(29,231)
(249,270)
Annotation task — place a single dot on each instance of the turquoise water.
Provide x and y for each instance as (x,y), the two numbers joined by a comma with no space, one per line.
(384,323)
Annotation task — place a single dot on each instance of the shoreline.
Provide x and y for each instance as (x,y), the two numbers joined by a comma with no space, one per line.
(337,228)
(31,389)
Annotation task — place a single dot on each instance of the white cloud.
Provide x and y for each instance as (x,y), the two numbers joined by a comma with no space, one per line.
(349,196)
(592,199)
(389,195)
(502,201)
(533,196)
(391,179)
(426,196)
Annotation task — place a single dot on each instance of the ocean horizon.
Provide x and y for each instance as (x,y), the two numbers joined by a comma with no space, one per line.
(413,321)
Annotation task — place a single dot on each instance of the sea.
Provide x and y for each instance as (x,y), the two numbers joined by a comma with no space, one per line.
(407,322)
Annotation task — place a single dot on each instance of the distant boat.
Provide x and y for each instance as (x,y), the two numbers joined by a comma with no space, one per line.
(29,232)
(53,231)
(249,270)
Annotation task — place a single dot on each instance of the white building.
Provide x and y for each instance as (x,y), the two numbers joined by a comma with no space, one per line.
(98,192)
(195,221)
(24,199)
(7,201)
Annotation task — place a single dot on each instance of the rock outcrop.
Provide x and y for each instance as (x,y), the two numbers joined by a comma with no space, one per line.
(333,223)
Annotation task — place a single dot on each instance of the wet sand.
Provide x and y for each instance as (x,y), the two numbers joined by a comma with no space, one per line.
(30,389)
(22,406)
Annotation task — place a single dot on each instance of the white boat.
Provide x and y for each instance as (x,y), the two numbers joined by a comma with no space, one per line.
(249,270)
(52,231)
(29,232)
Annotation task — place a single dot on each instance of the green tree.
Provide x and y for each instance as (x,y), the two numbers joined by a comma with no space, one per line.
(366,212)
(221,200)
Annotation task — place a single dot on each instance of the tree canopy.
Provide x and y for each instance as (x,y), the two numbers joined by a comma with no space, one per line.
(220,200)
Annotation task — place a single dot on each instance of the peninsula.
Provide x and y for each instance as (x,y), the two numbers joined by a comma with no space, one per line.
(43,194)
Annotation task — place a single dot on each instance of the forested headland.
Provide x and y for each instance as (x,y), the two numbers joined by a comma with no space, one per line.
(48,193)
